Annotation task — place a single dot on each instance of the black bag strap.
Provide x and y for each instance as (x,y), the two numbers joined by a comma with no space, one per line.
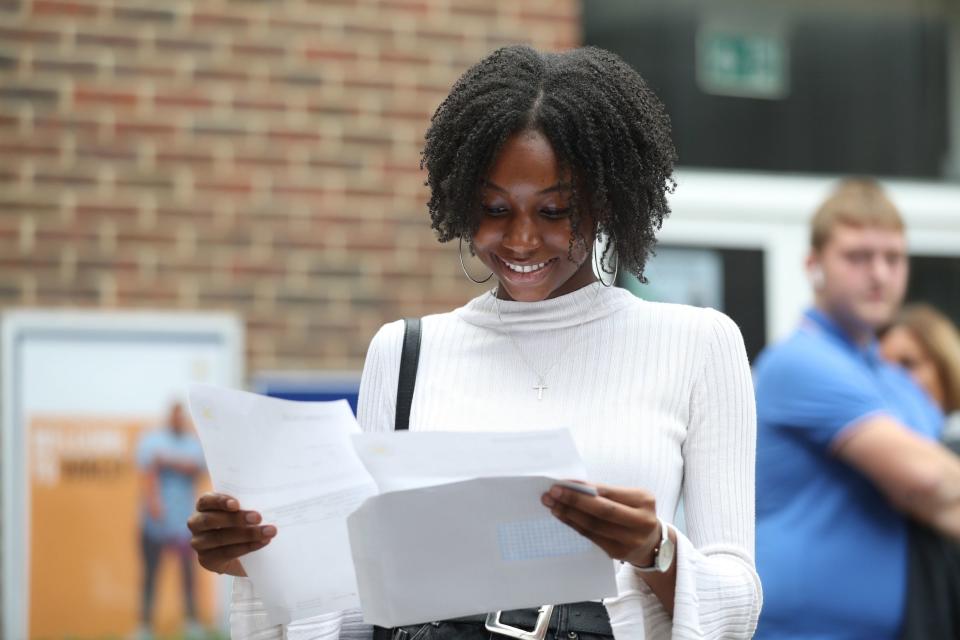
(409,359)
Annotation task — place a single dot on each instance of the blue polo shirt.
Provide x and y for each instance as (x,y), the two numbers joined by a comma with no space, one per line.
(177,490)
(831,551)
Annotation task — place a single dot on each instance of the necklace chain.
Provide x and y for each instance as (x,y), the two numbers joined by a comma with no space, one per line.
(541,379)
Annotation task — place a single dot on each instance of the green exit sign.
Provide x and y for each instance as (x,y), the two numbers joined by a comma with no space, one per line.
(742,63)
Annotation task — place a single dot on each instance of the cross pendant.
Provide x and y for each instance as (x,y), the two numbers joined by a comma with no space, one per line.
(540,387)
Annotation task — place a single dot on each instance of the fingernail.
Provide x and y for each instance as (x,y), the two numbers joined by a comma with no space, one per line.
(269,531)
(547,500)
(233,505)
(253,517)
(556,492)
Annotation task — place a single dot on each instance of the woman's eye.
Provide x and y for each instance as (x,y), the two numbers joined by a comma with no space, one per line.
(494,211)
(556,213)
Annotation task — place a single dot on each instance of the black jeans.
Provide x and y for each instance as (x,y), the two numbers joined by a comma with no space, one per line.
(152,550)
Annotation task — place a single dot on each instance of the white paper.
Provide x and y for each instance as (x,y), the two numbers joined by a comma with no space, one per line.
(294,463)
(457,530)
(411,459)
(467,548)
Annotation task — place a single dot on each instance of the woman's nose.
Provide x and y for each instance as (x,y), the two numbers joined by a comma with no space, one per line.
(522,236)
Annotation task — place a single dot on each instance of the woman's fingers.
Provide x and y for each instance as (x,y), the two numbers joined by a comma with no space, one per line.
(618,520)
(624,495)
(225,538)
(596,527)
(202,521)
(637,513)
(217,502)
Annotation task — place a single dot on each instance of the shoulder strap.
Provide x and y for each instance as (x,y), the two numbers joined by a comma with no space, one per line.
(409,359)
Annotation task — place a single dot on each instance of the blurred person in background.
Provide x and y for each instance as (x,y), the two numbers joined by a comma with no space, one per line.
(927,344)
(529,159)
(847,446)
(170,461)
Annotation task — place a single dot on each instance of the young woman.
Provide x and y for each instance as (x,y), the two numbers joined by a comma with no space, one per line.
(530,158)
(926,343)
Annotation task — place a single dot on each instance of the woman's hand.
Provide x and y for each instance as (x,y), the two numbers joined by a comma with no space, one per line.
(222,533)
(621,521)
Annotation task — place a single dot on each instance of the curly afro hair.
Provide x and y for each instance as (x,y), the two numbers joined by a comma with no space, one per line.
(605,124)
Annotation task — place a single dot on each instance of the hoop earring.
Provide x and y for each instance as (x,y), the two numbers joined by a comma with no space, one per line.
(464,267)
(598,263)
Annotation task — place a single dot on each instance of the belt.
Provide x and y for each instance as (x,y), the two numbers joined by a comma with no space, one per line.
(530,624)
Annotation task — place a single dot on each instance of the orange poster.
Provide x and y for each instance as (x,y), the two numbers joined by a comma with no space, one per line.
(85,560)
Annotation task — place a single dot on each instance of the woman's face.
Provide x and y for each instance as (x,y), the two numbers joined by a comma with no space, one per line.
(900,346)
(524,231)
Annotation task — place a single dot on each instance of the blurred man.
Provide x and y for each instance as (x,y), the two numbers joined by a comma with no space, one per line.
(170,460)
(846,443)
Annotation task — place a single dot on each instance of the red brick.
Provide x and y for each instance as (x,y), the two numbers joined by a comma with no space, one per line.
(329,53)
(141,14)
(474,11)
(45,178)
(258,50)
(97,151)
(369,139)
(48,7)
(289,189)
(243,266)
(549,16)
(205,19)
(74,68)
(84,95)
(131,128)
(183,45)
(57,124)
(235,186)
(150,182)
(259,104)
(35,36)
(224,75)
(294,135)
(27,149)
(111,41)
(260,159)
(188,99)
(304,24)
(418,7)
(86,210)
(186,157)
(122,69)
(394,56)
(377,30)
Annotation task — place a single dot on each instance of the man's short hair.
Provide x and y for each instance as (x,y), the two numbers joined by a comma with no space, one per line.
(858,202)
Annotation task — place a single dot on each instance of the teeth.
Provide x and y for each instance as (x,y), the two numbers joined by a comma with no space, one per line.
(525,268)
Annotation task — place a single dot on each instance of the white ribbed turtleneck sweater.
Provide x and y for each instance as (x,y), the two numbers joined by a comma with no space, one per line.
(657,396)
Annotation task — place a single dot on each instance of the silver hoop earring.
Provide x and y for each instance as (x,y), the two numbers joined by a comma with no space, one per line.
(464,267)
(598,263)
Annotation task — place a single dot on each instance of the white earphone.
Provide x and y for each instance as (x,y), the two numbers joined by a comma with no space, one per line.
(816,277)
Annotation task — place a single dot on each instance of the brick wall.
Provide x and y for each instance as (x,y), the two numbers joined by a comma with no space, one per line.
(255,156)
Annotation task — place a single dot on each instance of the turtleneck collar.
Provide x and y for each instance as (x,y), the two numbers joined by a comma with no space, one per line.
(570,310)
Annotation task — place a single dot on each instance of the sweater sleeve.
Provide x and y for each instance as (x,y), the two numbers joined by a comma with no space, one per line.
(718,592)
(377,399)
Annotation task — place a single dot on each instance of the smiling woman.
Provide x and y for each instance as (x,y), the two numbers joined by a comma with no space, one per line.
(524,231)
(530,158)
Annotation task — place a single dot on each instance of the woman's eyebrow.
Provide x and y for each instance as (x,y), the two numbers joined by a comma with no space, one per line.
(560,186)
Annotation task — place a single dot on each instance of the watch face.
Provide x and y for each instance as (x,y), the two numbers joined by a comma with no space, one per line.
(665,556)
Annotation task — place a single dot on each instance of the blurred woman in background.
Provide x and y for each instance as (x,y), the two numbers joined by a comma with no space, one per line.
(927,344)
